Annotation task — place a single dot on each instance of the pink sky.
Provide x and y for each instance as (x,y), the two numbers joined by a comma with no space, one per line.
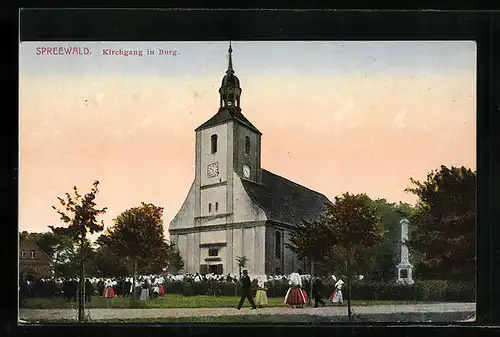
(360,131)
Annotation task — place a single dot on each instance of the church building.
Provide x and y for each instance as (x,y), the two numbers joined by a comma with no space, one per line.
(235,207)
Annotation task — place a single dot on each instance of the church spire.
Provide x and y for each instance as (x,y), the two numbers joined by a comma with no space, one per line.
(230,66)
(230,90)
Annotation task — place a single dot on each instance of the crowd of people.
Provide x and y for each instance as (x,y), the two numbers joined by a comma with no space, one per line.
(253,287)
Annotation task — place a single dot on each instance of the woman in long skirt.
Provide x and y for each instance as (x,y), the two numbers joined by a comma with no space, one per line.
(336,296)
(294,296)
(261,294)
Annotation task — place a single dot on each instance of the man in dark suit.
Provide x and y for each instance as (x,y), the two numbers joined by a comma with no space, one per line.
(246,291)
(88,290)
(317,292)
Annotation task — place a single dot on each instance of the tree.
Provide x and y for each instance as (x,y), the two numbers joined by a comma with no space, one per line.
(242,262)
(174,259)
(355,229)
(444,224)
(106,263)
(80,214)
(137,237)
(387,254)
(311,240)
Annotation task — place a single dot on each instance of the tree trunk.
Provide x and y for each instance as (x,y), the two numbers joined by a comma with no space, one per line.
(349,263)
(81,292)
(312,281)
(134,272)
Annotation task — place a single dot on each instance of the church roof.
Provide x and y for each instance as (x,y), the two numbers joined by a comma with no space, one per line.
(227,114)
(284,201)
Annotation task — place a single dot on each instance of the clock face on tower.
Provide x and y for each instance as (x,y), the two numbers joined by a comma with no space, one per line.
(246,171)
(213,170)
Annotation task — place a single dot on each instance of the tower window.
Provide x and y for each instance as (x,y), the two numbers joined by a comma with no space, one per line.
(32,254)
(210,207)
(247,145)
(216,206)
(278,245)
(23,254)
(214,143)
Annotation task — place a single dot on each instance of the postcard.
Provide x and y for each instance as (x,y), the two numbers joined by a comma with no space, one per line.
(247,181)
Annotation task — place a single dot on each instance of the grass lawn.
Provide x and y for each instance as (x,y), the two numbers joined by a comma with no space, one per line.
(168,301)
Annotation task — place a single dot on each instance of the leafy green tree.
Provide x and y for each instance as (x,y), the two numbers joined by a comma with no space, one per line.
(311,240)
(137,237)
(387,254)
(106,263)
(355,232)
(242,262)
(174,259)
(444,224)
(80,214)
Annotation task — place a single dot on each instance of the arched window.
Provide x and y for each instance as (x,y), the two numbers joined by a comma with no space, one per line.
(216,206)
(247,145)
(210,207)
(214,143)
(23,254)
(32,254)
(277,248)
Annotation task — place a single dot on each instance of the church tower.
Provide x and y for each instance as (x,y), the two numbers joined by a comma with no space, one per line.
(234,207)
(225,144)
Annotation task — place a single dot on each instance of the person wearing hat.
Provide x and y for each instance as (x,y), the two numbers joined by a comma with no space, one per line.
(246,291)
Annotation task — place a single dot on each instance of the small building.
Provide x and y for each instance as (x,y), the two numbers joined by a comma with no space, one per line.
(34,263)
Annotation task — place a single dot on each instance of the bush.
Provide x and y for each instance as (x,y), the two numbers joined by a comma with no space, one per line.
(434,291)
(195,288)
(176,287)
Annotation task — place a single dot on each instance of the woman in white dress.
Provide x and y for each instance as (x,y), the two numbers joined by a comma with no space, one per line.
(336,296)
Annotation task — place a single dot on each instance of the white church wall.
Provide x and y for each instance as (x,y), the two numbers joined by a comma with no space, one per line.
(243,206)
(221,254)
(228,267)
(183,250)
(191,253)
(185,217)
(213,237)
(237,246)
(212,196)
(207,157)
(196,251)
(248,239)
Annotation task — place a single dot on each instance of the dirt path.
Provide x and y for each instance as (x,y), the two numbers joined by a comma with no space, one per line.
(31,315)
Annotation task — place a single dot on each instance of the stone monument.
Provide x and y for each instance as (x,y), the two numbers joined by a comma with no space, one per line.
(404,267)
